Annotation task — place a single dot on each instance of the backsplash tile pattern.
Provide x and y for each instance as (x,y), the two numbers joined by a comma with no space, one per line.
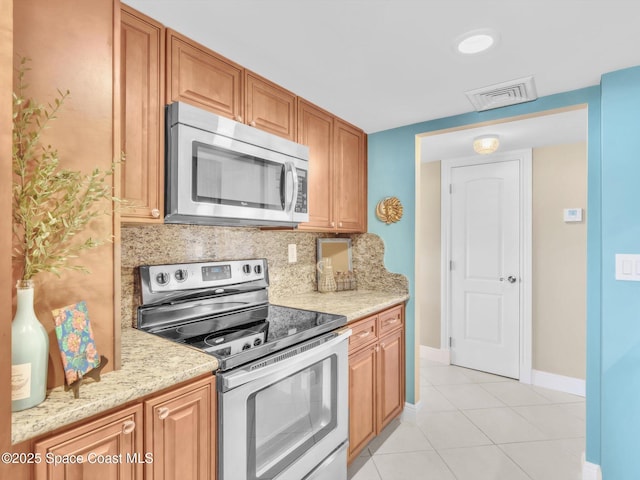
(158,244)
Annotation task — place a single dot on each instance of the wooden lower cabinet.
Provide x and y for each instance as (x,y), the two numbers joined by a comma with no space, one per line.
(180,432)
(362,398)
(164,437)
(105,448)
(376,376)
(391,382)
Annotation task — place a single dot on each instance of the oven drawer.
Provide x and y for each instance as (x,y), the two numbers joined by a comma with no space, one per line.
(391,320)
(363,333)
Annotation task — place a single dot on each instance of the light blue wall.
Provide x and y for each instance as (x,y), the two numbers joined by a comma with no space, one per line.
(392,172)
(620,300)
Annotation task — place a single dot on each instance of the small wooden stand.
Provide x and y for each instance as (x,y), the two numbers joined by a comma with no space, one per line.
(94,373)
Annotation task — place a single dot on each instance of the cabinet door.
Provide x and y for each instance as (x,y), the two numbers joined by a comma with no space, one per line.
(201,77)
(142,70)
(180,432)
(315,130)
(269,107)
(362,399)
(351,178)
(108,447)
(390,377)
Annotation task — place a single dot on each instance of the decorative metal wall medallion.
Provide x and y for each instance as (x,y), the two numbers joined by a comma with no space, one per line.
(389,210)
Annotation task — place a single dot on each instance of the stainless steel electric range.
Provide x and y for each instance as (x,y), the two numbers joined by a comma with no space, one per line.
(282,383)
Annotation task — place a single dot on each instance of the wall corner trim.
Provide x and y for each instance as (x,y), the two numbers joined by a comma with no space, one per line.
(590,471)
(410,412)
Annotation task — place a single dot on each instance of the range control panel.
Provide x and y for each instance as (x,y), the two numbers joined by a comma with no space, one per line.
(189,276)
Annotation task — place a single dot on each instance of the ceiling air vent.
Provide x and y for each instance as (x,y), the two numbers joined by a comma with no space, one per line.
(502,94)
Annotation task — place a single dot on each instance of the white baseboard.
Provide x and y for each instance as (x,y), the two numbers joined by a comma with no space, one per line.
(576,386)
(435,354)
(410,412)
(590,471)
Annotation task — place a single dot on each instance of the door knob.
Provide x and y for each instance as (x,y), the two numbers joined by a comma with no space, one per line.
(510,279)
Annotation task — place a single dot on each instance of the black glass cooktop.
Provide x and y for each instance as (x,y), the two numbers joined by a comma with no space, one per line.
(282,327)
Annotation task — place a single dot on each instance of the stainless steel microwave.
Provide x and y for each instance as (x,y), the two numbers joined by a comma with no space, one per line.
(221,172)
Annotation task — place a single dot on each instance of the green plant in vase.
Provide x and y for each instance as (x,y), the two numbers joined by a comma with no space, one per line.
(51,205)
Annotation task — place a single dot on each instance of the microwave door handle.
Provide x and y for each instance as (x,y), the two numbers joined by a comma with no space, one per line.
(294,194)
(283,186)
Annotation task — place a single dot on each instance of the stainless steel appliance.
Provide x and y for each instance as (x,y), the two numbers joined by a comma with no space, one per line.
(283,379)
(221,172)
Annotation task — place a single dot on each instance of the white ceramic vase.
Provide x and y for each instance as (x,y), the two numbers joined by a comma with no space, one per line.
(29,352)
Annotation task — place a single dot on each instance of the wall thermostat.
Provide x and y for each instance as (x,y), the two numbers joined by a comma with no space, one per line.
(572,214)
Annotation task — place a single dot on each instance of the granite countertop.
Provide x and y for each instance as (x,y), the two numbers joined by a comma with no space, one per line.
(143,372)
(354,304)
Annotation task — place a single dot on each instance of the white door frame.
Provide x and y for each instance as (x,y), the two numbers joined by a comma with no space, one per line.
(526,338)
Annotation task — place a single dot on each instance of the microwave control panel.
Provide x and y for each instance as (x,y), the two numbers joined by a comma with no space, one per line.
(301,201)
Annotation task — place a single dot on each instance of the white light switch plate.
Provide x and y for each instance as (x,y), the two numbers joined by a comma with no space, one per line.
(628,267)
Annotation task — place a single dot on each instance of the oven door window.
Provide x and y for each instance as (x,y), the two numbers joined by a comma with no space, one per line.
(230,178)
(287,418)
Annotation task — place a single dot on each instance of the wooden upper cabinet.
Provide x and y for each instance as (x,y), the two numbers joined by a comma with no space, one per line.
(142,104)
(203,78)
(101,443)
(337,185)
(351,178)
(180,432)
(315,130)
(269,107)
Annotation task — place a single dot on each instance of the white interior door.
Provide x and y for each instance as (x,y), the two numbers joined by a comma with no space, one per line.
(485,267)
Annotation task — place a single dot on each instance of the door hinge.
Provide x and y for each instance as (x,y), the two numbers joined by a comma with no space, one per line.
(450,342)
(450,189)
(450,264)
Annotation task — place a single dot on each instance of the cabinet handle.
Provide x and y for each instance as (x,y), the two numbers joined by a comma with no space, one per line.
(155,213)
(364,334)
(333,224)
(377,348)
(239,118)
(382,345)
(391,322)
(252,123)
(340,224)
(163,412)
(128,427)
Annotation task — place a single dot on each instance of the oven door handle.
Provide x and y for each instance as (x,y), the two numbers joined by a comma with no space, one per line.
(276,363)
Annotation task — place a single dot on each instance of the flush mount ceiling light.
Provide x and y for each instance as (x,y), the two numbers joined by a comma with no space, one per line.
(486,144)
(476,41)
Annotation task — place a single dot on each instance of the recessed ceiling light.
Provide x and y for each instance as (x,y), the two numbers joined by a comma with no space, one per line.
(476,41)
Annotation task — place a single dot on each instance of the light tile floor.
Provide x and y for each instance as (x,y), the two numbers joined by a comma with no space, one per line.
(477,426)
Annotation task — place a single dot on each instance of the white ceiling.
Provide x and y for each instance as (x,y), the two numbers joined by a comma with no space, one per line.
(382,64)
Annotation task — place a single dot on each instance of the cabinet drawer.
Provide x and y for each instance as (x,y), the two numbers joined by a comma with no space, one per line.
(391,320)
(363,332)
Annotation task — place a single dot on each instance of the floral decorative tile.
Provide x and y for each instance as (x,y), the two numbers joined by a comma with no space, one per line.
(75,338)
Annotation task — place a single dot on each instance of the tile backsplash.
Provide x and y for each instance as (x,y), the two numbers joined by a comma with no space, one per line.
(158,244)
